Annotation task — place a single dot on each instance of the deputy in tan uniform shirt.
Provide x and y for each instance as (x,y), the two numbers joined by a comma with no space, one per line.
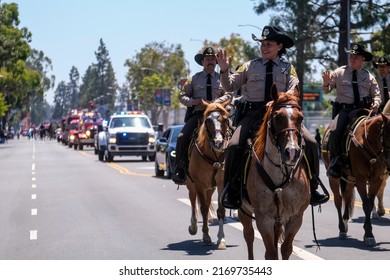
(195,90)
(251,109)
(369,97)
(383,79)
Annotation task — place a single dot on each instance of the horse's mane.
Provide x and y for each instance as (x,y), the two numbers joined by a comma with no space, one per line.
(212,107)
(259,145)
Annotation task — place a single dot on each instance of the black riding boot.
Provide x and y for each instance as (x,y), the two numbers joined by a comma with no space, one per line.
(334,168)
(313,161)
(316,198)
(179,174)
(231,196)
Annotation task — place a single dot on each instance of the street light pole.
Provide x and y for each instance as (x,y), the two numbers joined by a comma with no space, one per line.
(242,25)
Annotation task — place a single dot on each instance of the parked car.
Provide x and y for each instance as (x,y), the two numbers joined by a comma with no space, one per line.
(166,151)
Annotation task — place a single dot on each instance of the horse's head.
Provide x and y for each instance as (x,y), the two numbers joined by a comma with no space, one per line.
(214,126)
(285,123)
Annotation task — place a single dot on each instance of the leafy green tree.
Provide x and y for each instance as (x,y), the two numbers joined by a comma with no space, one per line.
(99,82)
(156,65)
(74,87)
(62,101)
(14,41)
(14,50)
(319,28)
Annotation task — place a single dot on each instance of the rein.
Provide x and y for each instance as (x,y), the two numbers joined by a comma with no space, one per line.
(362,149)
(218,161)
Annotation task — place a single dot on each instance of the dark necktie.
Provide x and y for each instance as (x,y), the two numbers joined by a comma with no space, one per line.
(385,91)
(356,95)
(268,81)
(208,88)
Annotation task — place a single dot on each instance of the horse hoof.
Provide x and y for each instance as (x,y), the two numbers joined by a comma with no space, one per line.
(207,241)
(221,245)
(342,235)
(370,241)
(192,230)
(381,212)
(375,215)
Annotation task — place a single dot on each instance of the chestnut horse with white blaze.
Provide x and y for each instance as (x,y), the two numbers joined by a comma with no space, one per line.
(205,170)
(277,184)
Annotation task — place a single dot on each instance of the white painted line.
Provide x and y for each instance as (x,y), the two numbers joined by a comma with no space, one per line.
(33,167)
(34,212)
(299,252)
(33,178)
(33,234)
(33,196)
(33,186)
(33,173)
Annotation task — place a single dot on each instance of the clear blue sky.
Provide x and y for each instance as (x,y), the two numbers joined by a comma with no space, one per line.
(68,31)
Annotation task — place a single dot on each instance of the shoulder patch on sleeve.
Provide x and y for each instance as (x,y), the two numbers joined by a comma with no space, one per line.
(242,68)
(293,72)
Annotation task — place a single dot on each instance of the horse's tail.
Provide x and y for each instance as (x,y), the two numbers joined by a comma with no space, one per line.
(212,215)
(278,226)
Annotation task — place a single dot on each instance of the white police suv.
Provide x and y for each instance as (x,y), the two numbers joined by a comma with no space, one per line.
(127,134)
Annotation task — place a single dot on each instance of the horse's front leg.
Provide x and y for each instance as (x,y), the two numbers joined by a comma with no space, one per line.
(193,228)
(221,243)
(249,233)
(368,205)
(380,211)
(291,229)
(205,202)
(338,202)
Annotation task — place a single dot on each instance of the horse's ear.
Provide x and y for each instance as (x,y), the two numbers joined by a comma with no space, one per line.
(274,92)
(227,102)
(205,103)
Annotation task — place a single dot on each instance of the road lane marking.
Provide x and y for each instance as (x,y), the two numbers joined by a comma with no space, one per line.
(34,179)
(299,252)
(33,167)
(34,212)
(33,234)
(33,186)
(33,196)
(126,171)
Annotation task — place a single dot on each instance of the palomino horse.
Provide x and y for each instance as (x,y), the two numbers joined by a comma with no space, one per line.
(205,170)
(368,148)
(277,183)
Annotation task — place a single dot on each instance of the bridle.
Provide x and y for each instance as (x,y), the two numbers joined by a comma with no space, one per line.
(287,169)
(286,132)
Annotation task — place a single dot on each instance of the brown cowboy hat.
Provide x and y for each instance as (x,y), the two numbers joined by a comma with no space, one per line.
(209,51)
(382,61)
(275,34)
(360,50)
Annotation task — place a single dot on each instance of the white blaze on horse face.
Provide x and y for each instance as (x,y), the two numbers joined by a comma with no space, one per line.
(218,138)
(291,145)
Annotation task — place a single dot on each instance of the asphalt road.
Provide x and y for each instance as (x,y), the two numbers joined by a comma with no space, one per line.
(61,204)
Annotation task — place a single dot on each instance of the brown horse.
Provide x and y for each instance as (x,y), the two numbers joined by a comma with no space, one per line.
(366,168)
(277,183)
(205,170)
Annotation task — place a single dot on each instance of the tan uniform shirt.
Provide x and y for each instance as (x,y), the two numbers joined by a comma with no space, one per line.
(342,82)
(195,88)
(252,75)
(380,84)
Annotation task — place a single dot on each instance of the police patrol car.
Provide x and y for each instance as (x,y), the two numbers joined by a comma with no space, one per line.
(127,134)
